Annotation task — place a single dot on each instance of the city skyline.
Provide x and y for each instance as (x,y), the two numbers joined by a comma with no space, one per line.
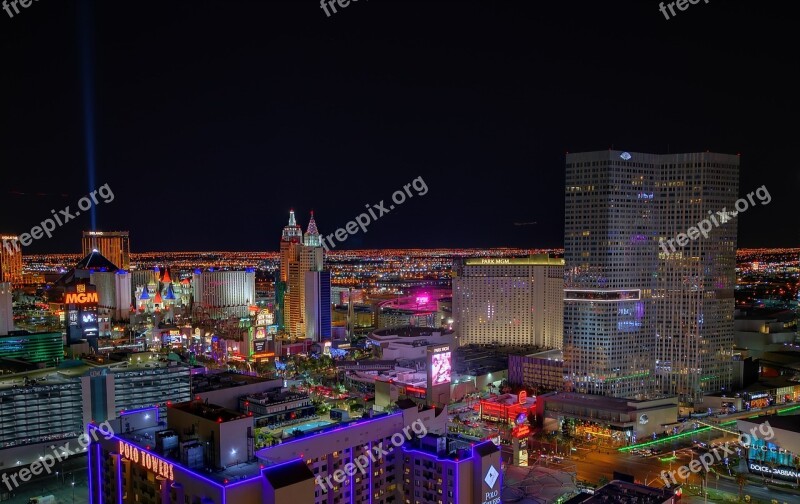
(294,108)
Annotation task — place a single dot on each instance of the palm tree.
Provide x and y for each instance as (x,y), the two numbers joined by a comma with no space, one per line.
(741,481)
(703,474)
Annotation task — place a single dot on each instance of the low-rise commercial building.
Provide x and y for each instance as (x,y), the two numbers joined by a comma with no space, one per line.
(619,421)
(774,445)
(622,492)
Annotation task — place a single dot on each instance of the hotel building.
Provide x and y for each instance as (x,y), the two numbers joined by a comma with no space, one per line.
(511,301)
(114,245)
(639,321)
(693,291)
(204,455)
(114,297)
(10,259)
(301,269)
(223,294)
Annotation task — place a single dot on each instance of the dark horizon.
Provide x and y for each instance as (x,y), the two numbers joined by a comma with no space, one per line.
(209,121)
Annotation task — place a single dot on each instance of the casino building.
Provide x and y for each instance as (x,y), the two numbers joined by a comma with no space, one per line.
(205,455)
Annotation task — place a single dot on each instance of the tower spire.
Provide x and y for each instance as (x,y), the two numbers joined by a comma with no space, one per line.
(311,238)
(292,232)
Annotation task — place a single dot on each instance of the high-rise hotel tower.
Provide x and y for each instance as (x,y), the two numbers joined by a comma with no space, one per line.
(639,321)
(114,245)
(301,258)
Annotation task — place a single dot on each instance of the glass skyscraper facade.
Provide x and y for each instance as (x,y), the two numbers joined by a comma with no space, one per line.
(639,321)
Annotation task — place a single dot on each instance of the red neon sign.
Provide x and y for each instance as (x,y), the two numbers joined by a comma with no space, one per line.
(521,431)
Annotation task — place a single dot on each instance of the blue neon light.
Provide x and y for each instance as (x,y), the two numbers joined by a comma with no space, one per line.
(99,476)
(140,410)
(89,467)
(119,478)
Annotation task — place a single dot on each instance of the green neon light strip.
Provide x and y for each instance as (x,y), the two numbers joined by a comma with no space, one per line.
(674,436)
(683,434)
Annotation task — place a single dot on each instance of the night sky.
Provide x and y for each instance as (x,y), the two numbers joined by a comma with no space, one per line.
(211,119)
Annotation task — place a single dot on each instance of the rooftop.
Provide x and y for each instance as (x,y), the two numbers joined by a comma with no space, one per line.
(219,381)
(621,492)
(605,402)
(145,439)
(209,411)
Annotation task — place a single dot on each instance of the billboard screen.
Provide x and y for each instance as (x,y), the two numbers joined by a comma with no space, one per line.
(440,368)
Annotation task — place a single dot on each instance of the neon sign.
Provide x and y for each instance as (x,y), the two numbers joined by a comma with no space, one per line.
(80,298)
(147,460)
(522,431)
(780,472)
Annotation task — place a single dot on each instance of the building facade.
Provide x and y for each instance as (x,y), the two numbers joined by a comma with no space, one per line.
(114,245)
(638,321)
(318,305)
(49,407)
(10,259)
(694,300)
(513,301)
(223,294)
(39,348)
(542,372)
(114,296)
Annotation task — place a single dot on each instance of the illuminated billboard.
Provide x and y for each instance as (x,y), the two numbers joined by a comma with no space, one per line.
(440,368)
